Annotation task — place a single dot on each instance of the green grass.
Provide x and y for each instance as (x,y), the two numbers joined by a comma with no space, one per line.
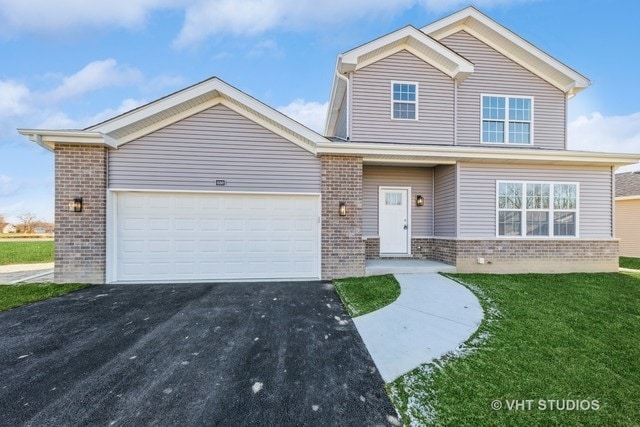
(544,337)
(25,252)
(626,262)
(12,296)
(362,295)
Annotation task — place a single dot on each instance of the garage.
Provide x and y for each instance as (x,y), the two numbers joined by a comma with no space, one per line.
(172,236)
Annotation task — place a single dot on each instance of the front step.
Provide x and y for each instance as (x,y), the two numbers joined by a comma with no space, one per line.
(375,267)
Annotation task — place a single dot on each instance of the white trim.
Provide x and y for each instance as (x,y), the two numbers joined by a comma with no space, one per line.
(457,186)
(111,271)
(416,103)
(511,45)
(266,193)
(449,154)
(409,206)
(507,120)
(523,210)
(623,198)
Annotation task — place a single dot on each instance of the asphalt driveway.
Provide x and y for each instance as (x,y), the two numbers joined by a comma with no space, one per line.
(196,354)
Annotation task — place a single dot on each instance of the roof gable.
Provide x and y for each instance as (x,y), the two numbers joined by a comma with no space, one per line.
(175,107)
(510,45)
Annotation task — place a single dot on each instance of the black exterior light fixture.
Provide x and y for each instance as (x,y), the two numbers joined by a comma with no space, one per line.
(419,200)
(342,210)
(76,205)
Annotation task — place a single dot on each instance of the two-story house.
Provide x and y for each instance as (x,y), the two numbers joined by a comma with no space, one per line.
(447,142)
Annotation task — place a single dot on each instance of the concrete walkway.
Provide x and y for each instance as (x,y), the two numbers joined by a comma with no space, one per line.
(432,317)
(26,273)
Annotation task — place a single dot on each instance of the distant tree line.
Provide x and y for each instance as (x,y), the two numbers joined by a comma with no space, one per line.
(28,223)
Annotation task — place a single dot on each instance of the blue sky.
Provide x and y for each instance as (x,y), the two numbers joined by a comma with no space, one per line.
(71,63)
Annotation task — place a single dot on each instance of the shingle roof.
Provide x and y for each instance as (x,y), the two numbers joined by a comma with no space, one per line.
(628,184)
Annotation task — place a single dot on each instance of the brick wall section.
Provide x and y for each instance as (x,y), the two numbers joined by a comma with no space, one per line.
(537,256)
(80,241)
(444,250)
(343,250)
(372,248)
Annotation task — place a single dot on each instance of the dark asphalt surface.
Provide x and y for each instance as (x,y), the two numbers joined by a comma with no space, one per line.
(190,354)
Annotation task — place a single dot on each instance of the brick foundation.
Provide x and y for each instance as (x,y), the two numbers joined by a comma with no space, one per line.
(537,256)
(343,250)
(80,241)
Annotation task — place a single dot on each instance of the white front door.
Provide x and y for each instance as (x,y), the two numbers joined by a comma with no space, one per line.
(394,221)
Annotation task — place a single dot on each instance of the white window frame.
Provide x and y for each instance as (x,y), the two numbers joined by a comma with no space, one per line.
(523,209)
(506,121)
(393,101)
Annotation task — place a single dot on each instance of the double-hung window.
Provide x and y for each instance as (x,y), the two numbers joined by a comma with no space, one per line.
(404,101)
(507,119)
(536,209)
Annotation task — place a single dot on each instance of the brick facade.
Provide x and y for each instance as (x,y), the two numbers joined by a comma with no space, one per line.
(537,256)
(343,250)
(80,242)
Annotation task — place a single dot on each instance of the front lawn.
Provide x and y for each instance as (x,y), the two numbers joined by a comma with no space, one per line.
(552,350)
(25,252)
(627,262)
(12,296)
(362,295)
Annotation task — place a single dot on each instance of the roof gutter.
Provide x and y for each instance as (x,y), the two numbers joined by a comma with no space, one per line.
(49,138)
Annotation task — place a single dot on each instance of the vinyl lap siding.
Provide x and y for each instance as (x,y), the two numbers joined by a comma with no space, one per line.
(217,143)
(478,195)
(445,201)
(371,112)
(497,75)
(628,227)
(421,182)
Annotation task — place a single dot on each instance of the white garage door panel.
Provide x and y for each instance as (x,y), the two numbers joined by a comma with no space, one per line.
(171,236)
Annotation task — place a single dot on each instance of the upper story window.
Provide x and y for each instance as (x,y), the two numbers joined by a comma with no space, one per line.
(404,96)
(507,119)
(536,209)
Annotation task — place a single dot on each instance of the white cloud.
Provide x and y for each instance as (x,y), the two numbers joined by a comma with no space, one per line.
(95,75)
(617,134)
(311,114)
(50,17)
(8,186)
(14,100)
(207,18)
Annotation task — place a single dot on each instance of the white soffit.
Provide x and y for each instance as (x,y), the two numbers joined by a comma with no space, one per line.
(413,40)
(510,45)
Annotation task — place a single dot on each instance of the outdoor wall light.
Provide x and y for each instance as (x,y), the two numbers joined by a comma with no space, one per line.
(419,201)
(76,205)
(342,209)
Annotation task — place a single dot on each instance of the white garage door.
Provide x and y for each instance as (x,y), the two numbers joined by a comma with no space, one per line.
(195,237)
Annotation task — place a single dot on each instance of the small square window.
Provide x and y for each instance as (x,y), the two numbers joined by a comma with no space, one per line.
(404,101)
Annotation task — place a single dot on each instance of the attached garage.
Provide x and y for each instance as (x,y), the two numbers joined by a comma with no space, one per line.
(198,236)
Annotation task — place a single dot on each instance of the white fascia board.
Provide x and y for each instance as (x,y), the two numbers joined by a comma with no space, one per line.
(351,60)
(48,138)
(623,198)
(459,21)
(477,154)
(217,89)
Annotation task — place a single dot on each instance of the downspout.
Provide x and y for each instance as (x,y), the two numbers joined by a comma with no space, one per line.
(613,204)
(455,112)
(348,104)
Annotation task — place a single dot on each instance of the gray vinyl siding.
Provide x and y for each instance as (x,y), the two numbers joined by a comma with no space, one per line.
(495,74)
(421,182)
(445,201)
(341,125)
(216,144)
(477,186)
(371,112)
